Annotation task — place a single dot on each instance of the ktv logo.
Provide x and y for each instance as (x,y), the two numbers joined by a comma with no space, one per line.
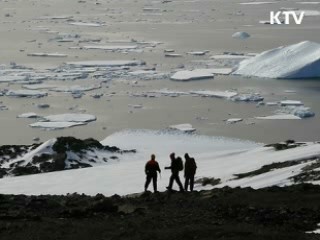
(284,17)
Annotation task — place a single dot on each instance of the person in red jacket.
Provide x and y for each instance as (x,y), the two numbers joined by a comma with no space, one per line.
(190,168)
(151,169)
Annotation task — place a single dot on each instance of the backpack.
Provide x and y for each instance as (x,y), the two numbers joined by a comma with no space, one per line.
(179,164)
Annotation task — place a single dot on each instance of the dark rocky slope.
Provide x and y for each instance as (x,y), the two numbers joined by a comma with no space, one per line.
(271,213)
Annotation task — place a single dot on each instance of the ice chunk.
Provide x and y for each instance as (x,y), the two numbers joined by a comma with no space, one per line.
(217,94)
(38,86)
(280,117)
(86,24)
(253,97)
(111,47)
(291,103)
(198,53)
(70,117)
(26,93)
(28,115)
(300,60)
(300,111)
(234,120)
(55,125)
(111,63)
(47,55)
(191,75)
(13,78)
(186,127)
(172,55)
(255,3)
(76,88)
(241,35)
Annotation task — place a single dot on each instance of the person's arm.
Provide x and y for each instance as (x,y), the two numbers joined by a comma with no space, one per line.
(158,168)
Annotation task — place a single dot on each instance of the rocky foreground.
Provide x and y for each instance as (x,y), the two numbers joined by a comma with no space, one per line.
(270,213)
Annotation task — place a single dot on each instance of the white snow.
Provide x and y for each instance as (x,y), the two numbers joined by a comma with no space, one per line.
(187,75)
(55,125)
(185,127)
(301,60)
(70,117)
(216,157)
(241,35)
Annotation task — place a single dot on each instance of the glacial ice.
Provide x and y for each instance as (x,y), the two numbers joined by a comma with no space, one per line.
(301,60)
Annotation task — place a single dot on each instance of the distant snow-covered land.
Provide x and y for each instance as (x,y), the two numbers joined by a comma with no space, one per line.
(234,162)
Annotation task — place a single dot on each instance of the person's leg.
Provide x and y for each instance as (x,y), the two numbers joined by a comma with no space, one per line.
(191,182)
(178,181)
(148,180)
(171,182)
(186,183)
(154,179)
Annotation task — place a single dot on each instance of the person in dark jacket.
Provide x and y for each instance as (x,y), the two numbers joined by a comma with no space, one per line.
(176,167)
(190,168)
(151,169)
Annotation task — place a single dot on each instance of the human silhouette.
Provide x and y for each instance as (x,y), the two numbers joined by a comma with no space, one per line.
(190,168)
(151,169)
(176,167)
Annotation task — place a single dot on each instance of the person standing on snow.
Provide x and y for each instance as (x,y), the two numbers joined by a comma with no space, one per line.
(190,168)
(176,167)
(151,169)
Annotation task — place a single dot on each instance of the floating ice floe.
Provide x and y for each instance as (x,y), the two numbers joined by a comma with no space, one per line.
(76,88)
(280,117)
(234,120)
(13,78)
(55,125)
(291,103)
(186,128)
(255,3)
(62,17)
(198,53)
(86,24)
(191,75)
(47,55)
(254,97)
(111,63)
(217,94)
(111,47)
(241,35)
(70,117)
(173,55)
(38,86)
(26,93)
(28,115)
(300,60)
(300,111)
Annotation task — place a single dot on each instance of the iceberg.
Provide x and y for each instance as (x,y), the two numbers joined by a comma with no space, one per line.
(301,60)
